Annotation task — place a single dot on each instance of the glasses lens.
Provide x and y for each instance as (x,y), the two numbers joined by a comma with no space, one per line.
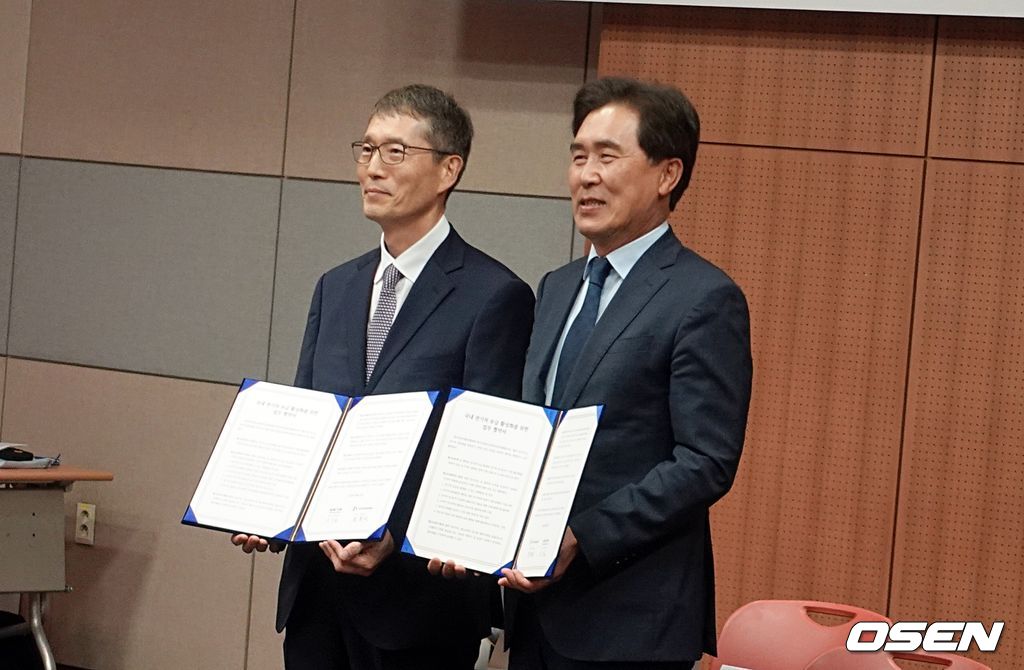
(361,152)
(392,153)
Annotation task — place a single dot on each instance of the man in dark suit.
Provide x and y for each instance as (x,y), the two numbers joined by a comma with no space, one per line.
(423,311)
(669,358)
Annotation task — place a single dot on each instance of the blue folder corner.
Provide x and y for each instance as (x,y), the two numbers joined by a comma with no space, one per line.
(407,547)
(552,415)
(551,568)
(379,533)
(433,396)
(497,572)
(343,400)
(455,393)
(190,516)
(246,383)
(286,535)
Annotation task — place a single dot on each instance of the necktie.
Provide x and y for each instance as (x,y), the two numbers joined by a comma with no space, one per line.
(384,315)
(582,326)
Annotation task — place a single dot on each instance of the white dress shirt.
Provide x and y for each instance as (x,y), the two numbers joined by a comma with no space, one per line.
(410,263)
(622,261)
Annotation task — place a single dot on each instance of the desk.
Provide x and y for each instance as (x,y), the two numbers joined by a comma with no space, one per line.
(32,541)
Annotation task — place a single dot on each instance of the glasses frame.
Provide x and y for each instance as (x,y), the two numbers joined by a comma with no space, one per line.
(357,152)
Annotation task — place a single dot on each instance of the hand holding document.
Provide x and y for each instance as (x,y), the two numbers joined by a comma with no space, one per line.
(303,466)
(500,483)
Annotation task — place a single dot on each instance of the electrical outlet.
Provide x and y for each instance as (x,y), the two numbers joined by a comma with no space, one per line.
(85,524)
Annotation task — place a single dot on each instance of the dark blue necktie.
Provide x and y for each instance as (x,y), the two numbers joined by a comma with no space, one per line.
(582,326)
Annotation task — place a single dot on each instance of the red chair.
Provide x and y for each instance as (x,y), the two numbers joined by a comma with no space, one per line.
(779,634)
(840,659)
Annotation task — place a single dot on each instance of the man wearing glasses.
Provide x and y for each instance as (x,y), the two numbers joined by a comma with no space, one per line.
(424,311)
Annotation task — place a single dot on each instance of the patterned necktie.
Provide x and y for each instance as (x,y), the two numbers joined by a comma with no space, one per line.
(582,326)
(384,315)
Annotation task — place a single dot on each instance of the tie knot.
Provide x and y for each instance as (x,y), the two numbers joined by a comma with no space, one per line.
(598,271)
(391,277)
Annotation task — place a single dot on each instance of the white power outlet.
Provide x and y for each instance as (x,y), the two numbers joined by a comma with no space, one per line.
(85,524)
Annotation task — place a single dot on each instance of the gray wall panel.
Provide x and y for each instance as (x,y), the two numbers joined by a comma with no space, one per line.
(530,235)
(144,269)
(8,212)
(322,226)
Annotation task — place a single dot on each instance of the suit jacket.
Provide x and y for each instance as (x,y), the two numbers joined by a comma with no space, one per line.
(465,323)
(670,360)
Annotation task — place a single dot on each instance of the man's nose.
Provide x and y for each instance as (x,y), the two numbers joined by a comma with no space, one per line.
(590,173)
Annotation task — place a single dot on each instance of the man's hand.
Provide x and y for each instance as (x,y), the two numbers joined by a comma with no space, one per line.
(358,558)
(250,543)
(447,569)
(514,579)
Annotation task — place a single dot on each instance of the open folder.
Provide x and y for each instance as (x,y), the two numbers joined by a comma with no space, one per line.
(304,466)
(500,483)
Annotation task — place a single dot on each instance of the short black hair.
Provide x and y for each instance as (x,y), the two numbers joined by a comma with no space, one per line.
(449,128)
(669,126)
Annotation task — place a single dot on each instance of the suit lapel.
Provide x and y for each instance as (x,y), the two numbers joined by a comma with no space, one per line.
(430,289)
(559,293)
(357,298)
(643,282)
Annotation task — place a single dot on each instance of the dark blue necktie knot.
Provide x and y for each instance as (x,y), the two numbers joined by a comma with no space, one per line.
(579,332)
(598,272)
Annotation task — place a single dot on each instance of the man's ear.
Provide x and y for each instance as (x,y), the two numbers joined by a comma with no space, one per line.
(671,173)
(451,168)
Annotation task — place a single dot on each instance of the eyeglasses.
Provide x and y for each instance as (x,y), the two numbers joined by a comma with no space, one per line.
(391,153)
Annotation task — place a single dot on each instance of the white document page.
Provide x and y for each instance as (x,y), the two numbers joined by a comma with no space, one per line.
(556,491)
(479,481)
(366,469)
(265,459)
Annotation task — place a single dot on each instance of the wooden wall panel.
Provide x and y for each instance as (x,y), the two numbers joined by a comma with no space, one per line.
(189,84)
(978,109)
(960,529)
(823,245)
(856,82)
(515,67)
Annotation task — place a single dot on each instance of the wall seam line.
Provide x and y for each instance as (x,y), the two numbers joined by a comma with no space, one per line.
(280,191)
(910,330)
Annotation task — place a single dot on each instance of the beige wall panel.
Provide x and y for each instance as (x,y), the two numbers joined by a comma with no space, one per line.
(265,651)
(14,21)
(847,81)
(978,106)
(960,529)
(189,84)
(823,245)
(151,593)
(515,68)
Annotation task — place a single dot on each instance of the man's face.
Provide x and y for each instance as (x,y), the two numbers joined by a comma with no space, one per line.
(617,193)
(403,193)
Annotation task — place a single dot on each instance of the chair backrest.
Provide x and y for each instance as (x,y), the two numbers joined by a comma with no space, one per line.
(779,634)
(840,659)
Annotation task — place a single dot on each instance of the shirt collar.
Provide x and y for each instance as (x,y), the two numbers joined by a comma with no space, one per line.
(412,261)
(625,257)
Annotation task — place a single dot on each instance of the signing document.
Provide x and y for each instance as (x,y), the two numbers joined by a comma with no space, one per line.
(303,466)
(500,483)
